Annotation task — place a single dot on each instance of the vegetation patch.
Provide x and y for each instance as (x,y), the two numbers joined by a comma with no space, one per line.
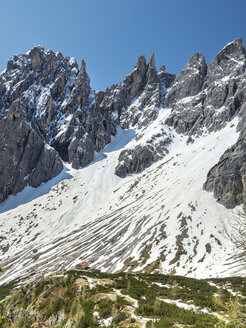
(93,299)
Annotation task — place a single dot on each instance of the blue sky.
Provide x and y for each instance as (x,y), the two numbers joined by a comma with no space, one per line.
(111,34)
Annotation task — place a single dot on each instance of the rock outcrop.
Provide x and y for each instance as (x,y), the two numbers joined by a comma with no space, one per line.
(185,96)
(24,157)
(202,97)
(137,159)
(61,117)
(50,113)
(144,101)
(227,179)
(142,111)
(224,99)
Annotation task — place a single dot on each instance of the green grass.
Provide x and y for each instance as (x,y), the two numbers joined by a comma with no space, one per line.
(6,289)
(64,294)
(176,314)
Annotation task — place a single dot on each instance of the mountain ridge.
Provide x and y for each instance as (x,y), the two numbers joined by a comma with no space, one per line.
(164,135)
(56,100)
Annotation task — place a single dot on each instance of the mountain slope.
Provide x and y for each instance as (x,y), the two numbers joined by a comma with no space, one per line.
(160,219)
(170,132)
(48,95)
(79,298)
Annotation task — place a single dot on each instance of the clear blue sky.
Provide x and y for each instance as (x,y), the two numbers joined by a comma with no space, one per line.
(111,34)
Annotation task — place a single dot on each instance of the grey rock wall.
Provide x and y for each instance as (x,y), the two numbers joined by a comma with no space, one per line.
(208,97)
(227,178)
(228,97)
(49,113)
(24,158)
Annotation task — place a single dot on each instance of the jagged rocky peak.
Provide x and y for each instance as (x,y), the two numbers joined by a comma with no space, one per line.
(38,84)
(36,56)
(52,113)
(83,82)
(80,92)
(56,101)
(139,115)
(226,96)
(134,82)
(73,121)
(229,62)
(233,50)
(36,59)
(225,85)
(143,90)
(185,97)
(189,81)
(202,97)
(141,75)
(152,60)
(162,69)
(152,75)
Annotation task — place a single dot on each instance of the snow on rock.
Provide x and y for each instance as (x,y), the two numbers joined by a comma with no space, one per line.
(159,220)
(168,131)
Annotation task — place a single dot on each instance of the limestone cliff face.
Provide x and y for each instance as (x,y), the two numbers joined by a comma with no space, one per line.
(24,158)
(208,97)
(50,113)
(226,96)
(227,178)
(201,100)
